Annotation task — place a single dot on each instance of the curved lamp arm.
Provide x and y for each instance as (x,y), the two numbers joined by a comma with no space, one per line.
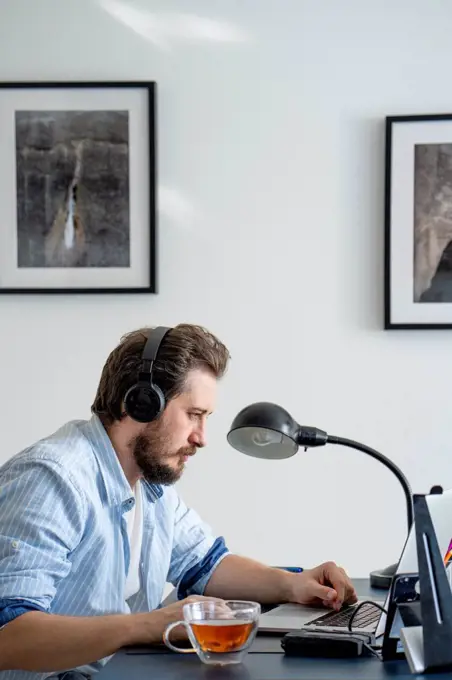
(388,463)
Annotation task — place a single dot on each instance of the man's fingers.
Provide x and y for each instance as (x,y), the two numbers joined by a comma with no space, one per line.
(350,592)
(333,604)
(202,598)
(341,583)
(350,596)
(221,609)
(326,594)
(338,580)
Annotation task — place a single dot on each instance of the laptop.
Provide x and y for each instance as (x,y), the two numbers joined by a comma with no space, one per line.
(369,619)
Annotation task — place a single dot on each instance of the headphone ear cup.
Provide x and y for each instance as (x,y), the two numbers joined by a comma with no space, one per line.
(144,402)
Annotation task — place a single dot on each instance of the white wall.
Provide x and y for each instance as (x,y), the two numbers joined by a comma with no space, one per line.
(271,233)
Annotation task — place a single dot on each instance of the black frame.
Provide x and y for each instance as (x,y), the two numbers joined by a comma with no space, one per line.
(150,86)
(390,121)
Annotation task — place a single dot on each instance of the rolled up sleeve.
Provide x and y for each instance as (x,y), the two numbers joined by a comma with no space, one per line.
(196,552)
(41,522)
(11,609)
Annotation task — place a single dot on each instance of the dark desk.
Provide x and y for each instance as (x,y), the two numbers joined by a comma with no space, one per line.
(271,664)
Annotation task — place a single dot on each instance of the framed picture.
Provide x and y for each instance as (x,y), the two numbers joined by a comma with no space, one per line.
(77,187)
(418,222)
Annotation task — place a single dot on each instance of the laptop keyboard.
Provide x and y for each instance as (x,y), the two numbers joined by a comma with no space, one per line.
(365,617)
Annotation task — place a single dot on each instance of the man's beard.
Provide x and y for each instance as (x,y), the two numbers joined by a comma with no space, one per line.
(150,449)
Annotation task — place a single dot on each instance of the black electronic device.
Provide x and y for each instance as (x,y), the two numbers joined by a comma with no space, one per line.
(428,646)
(144,401)
(326,645)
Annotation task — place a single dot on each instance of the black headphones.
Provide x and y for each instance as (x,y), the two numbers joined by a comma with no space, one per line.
(144,401)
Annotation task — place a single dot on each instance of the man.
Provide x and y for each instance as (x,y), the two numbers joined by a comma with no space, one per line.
(92,528)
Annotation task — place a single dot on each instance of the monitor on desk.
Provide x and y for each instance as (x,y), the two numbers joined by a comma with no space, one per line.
(405,584)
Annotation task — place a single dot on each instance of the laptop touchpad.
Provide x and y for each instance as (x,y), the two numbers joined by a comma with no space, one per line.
(289,617)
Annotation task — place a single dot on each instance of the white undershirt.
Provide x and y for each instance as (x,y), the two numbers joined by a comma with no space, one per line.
(134,519)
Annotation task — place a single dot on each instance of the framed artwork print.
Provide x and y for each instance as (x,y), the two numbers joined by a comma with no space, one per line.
(418,222)
(77,186)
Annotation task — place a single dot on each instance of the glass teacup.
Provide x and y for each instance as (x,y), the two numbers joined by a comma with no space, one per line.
(221,632)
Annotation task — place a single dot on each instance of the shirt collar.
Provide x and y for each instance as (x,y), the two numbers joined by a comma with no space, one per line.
(116,485)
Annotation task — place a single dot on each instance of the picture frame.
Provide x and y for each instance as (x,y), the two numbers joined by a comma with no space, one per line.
(78,187)
(418,222)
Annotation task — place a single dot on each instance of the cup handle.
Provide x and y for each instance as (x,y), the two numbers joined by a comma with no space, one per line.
(168,642)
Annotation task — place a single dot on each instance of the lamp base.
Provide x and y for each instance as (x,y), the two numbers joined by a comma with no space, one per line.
(381,578)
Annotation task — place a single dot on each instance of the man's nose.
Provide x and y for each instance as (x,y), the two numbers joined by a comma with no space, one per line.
(198,437)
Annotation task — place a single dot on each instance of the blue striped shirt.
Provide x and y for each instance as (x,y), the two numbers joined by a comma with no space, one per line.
(64,547)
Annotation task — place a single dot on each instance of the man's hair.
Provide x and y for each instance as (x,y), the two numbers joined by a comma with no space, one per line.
(184,348)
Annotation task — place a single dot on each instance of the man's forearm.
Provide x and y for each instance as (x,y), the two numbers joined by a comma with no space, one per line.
(240,578)
(37,641)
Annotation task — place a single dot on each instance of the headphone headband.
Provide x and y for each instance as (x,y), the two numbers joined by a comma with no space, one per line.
(153,343)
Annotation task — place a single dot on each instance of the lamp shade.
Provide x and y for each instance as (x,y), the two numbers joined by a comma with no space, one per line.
(264,430)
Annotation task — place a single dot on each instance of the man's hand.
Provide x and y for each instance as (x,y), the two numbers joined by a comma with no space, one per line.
(176,609)
(239,578)
(174,612)
(326,585)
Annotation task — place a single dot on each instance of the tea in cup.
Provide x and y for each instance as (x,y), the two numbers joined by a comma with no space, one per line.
(221,632)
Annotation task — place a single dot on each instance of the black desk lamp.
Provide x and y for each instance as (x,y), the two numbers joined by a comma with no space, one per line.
(265,430)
